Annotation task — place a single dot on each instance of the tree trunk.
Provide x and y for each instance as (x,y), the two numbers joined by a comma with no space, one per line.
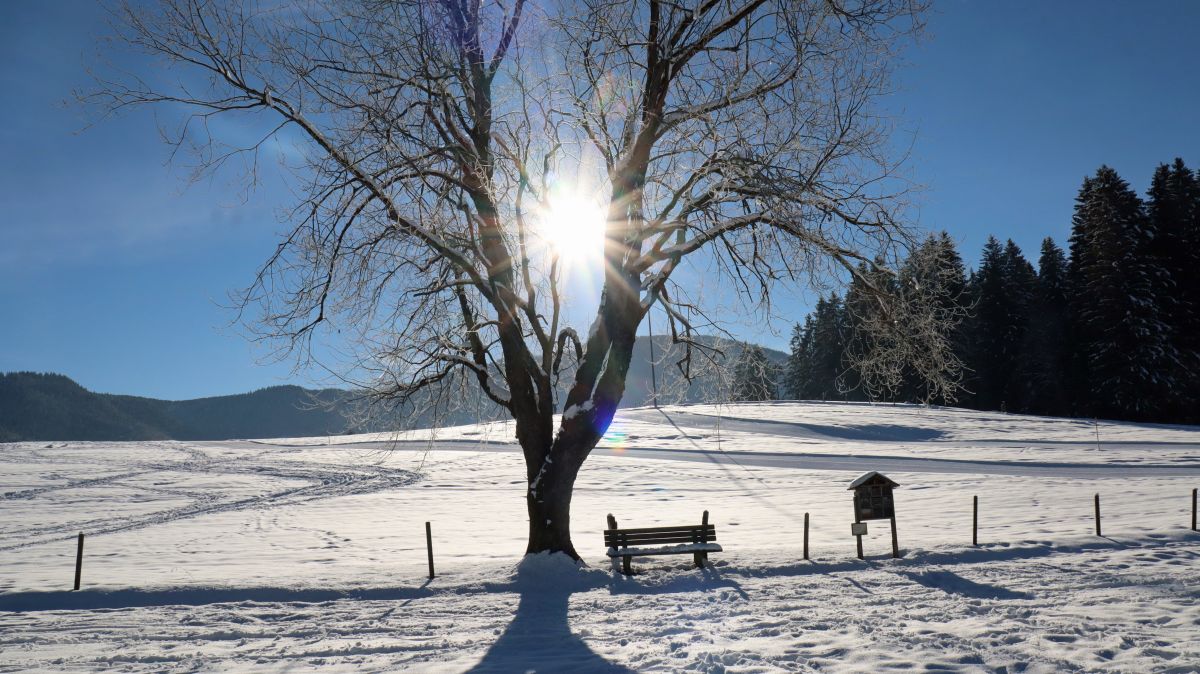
(548,500)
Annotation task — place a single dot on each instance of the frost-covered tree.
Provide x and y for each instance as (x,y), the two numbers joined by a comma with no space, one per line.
(452,158)
(867,332)
(753,375)
(935,271)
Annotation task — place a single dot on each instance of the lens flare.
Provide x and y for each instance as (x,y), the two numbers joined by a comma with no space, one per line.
(616,440)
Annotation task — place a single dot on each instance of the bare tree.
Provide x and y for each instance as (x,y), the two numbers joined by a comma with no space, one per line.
(903,328)
(735,135)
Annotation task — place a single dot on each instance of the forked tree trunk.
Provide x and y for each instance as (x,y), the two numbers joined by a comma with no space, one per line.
(599,382)
(551,481)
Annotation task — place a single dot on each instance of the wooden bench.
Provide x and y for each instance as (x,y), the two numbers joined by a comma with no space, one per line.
(696,539)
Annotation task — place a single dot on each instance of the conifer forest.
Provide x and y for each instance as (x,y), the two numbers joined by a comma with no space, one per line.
(1107,328)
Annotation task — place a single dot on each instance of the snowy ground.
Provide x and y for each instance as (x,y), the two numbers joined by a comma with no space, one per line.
(294,555)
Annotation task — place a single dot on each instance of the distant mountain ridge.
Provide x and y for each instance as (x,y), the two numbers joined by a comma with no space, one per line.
(53,407)
(35,406)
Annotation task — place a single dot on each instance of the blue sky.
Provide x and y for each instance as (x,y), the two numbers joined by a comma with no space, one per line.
(115,272)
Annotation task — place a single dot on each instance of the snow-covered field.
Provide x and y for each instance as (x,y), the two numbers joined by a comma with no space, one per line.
(293,555)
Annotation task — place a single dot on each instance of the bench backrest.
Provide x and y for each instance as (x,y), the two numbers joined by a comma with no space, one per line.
(687,533)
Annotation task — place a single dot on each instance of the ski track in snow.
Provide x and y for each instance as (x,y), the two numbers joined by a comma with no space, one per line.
(318,481)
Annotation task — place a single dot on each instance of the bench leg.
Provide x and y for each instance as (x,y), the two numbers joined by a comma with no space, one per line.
(626,566)
(698,558)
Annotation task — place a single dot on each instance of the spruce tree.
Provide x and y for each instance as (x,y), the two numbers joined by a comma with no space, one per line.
(1127,361)
(815,362)
(1171,206)
(1001,291)
(798,369)
(828,348)
(987,326)
(1045,355)
(1020,281)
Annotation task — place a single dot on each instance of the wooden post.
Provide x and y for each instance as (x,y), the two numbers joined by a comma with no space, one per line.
(700,557)
(429,547)
(858,538)
(1098,515)
(79,561)
(975,520)
(1194,510)
(895,541)
(807,535)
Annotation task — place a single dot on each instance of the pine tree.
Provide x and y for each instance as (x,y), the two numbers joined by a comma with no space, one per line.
(828,347)
(1127,362)
(1045,354)
(987,327)
(798,370)
(1001,291)
(1171,206)
(815,362)
(752,375)
(1020,282)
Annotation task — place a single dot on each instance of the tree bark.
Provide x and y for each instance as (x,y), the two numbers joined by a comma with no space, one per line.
(549,505)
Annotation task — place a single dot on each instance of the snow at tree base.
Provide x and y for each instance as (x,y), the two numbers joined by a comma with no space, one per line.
(309,554)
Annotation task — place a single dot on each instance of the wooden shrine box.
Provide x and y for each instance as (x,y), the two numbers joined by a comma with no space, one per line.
(873,497)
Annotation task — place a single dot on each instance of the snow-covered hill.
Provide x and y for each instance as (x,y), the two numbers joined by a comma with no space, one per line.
(304,554)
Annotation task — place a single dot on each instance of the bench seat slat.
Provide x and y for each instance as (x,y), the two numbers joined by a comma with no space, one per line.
(664,550)
(652,530)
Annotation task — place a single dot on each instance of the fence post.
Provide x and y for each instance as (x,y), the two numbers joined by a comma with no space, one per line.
(429,547)
(1194,510)
(895,541)
(1098,515)
(79,561)
(806,534)
(975,520)
(857,537)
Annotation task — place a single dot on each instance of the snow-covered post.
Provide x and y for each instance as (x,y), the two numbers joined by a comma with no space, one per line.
(79,560)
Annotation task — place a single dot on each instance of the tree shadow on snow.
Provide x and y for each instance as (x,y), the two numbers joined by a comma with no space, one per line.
(539,638)
(952,583)
(799,429)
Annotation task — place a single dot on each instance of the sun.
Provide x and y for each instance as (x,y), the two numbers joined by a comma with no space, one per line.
(572,226)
